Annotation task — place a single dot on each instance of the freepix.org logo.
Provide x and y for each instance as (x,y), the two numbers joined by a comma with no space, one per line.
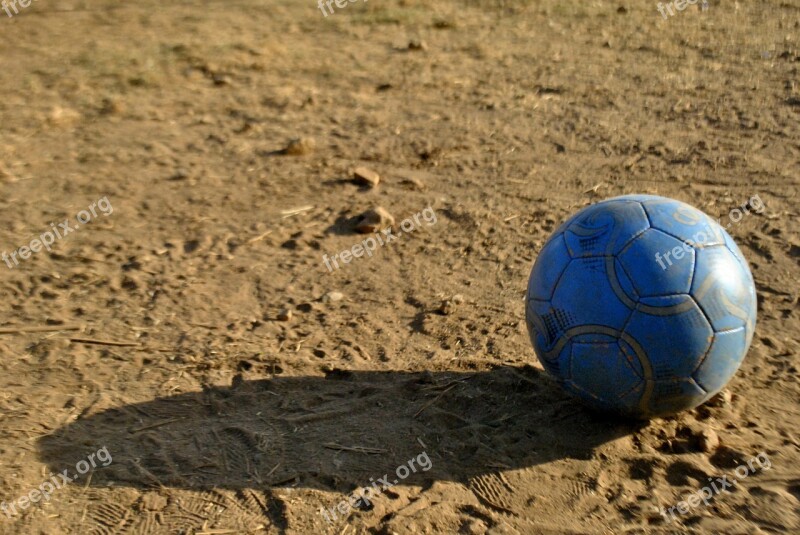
(717,486)
(47,238)
(56,482)
(370,245)
(679,5)
(13,5)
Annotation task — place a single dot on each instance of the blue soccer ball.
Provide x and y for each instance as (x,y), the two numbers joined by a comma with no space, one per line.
(641,305)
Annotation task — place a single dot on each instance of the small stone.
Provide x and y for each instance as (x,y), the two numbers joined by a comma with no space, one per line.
(727,396)
(417,44)
(366,177)
(708,440)
(448,306)
(414,183)
(332,297)
(110,106)
(374,220)
(285,315)
(63,116)
(300,146)
(723,399)
(180,174)
(153,502)
(221,79)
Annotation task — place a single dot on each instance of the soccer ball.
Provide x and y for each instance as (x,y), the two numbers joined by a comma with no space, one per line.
(641,305)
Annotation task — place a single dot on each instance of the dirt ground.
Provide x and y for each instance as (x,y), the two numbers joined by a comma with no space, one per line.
(190,343)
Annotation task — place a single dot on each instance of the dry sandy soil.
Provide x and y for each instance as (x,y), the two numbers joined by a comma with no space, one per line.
(159,331)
